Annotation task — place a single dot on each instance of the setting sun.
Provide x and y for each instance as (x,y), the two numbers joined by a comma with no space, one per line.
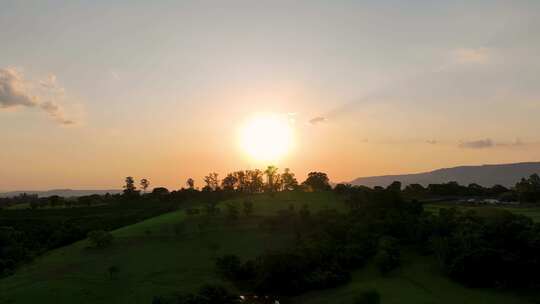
(266,137)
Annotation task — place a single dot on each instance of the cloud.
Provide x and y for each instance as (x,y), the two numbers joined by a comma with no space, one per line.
(316,120)
(488,143)
(51,85)
(15,92)
(477,144)
(516,143)
(472,55)
(56,112)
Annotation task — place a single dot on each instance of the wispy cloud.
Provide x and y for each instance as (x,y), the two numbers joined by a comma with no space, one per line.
(477,144)
(489,143)
(472,55)
(15,92)
(316,120)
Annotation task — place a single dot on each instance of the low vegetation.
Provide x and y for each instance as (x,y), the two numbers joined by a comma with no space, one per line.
(285,241)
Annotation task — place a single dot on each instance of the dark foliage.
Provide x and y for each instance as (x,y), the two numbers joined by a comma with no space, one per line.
(208,294)
(496,249)
(100,238)
(368,297)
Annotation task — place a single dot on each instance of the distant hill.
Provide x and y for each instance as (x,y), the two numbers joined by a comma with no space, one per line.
(61,192)
(485,175)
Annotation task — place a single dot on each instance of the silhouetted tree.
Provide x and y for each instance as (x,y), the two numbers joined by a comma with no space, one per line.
(129,187)
(289,180)
(229,182)
(271,178)
(528,189)
(394,186)
(317,181)
(145,183)
(212,181)
(160,191)
(254,181)
(242,181)
(190,183)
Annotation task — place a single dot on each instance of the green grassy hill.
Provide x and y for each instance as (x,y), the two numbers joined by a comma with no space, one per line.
(175,252)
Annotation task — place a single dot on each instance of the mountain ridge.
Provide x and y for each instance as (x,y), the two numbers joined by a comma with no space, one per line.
(486,175)
(60,192)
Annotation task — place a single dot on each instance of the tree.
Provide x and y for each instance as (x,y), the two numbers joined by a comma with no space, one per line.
(271,178)
(145,183)
(190,183)
(394,186)
(254,181)
(241,179)
(317,181)
(289,180)
(100,238)
(388,257)
(229,183)
(212,181)
(160,191)
(528,189)
(129,187)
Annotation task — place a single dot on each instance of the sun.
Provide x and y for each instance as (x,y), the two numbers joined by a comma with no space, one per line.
(267,137)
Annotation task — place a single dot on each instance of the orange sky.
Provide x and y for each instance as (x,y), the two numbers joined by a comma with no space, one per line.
(161,90)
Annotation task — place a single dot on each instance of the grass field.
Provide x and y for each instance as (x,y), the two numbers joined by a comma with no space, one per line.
(418,281)
(175,253)
(532,212)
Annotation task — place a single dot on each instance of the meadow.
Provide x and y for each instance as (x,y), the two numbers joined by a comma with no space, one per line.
(175,252)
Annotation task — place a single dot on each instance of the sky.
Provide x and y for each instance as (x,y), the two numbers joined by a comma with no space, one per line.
(93,91)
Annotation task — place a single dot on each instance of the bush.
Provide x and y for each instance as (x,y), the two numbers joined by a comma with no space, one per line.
(100,238)
(388,257)
(192,211)
(368,297)
(229,266)
(232,268)
(208,294)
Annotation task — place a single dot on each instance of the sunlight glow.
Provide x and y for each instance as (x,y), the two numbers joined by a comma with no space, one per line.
(267,137)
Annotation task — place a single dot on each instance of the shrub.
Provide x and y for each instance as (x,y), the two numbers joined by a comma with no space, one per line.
(100,238)
(193,211)
(232,268)
(388,257)
(368,297)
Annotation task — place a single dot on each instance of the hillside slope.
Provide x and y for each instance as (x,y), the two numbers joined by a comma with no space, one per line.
(175,253)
